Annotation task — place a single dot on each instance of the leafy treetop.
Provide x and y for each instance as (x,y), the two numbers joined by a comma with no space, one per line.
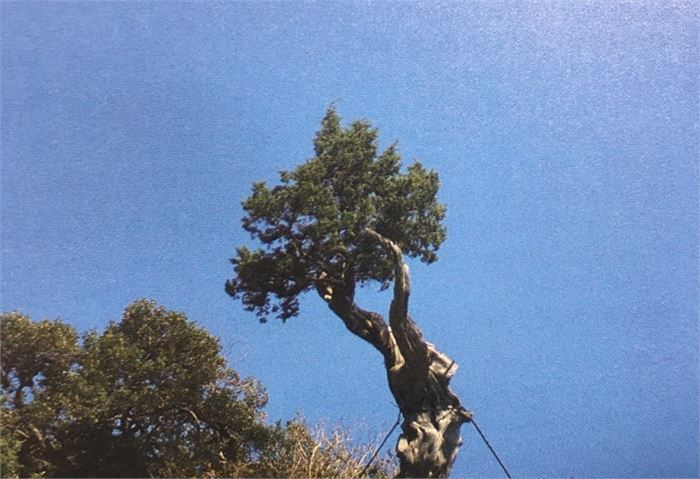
(313,225)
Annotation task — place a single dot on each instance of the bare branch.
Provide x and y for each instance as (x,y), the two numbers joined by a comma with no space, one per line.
(402,279)
(406,332)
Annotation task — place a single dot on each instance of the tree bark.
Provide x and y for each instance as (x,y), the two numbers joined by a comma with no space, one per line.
(418,374)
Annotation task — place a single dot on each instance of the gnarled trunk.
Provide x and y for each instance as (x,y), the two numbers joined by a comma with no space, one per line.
(418,374)
(432,415)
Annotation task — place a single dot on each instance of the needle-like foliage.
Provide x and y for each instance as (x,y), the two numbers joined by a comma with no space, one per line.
(313,225)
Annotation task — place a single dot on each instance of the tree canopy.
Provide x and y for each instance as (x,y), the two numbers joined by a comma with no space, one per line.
(149,396)
(313,225)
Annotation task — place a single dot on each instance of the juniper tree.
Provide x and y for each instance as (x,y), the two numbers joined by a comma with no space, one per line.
(348,217)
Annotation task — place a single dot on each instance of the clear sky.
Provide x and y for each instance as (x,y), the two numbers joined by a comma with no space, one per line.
(566,138)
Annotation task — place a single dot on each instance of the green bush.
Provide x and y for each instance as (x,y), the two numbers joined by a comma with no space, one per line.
(150,396)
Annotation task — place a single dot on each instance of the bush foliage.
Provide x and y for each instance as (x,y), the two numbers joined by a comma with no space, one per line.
(151,396)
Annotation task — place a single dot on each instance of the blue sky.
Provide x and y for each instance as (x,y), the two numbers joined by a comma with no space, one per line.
(566,138)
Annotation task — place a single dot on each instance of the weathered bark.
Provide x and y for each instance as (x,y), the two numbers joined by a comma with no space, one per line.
(418,374)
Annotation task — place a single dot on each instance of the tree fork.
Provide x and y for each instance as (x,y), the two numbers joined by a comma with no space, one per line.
(418,373)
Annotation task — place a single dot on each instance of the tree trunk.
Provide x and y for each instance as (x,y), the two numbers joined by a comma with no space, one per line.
(418,374)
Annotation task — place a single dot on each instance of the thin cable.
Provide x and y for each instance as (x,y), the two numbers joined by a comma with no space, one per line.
(490,448)
(374,456)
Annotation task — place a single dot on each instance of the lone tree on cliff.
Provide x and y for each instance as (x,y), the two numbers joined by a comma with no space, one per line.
(346,218)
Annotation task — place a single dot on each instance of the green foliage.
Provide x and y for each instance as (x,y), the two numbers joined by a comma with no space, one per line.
(36,362)
(149,396)
(35,356)
(313,225)
(10,443)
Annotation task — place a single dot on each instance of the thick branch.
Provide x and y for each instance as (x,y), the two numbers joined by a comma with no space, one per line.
(368,325)
(408,336)
(402,280)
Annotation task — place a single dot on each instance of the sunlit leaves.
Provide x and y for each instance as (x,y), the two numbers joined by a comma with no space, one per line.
(149,396)
(34,355)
